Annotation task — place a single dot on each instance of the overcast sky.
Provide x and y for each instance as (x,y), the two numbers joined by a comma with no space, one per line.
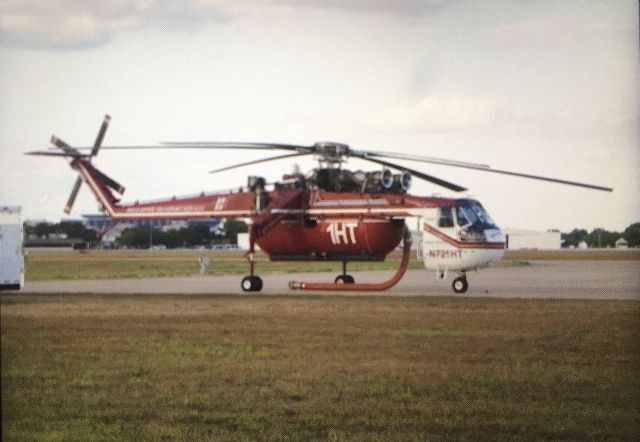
(544,87)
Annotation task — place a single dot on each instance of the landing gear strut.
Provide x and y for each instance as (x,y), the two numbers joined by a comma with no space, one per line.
(251,282)
(460,284)
(344,278)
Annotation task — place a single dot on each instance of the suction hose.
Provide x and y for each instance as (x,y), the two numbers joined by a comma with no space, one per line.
(364,287)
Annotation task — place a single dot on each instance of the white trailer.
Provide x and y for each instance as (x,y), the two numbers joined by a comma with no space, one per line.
(11,255)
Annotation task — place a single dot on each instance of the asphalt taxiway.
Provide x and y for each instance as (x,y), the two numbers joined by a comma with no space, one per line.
(539,279)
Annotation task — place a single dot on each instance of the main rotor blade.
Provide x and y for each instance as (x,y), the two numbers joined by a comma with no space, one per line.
(422,159)
(482,168)
(100,137)
(239,145)
(263,160)
(417,174)
(57,154)
(74,194)
(178,146)
(549,179)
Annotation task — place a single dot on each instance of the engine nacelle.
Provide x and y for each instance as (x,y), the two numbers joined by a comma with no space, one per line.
(374,181)
(341,180)
(401,182)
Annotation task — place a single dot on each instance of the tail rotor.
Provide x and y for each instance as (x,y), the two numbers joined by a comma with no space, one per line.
(78,159)
(96,147)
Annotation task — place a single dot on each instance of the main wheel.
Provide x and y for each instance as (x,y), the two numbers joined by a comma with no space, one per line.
(344,279)
(251,283)
(460,284)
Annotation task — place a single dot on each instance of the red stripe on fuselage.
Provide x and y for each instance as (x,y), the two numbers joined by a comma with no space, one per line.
(462,244)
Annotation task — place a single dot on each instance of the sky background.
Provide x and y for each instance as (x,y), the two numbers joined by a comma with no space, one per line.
(542,87)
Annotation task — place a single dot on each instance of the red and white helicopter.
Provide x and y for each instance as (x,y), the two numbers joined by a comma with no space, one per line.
(331,213)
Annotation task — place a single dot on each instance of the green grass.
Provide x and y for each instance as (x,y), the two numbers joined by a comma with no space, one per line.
(63,265)
(134,367)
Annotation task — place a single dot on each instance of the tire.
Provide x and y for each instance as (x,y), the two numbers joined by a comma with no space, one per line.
(251,283)
(460,285)
(344,279)
(258,283)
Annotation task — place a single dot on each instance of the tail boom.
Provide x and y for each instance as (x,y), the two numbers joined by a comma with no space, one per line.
(221,205)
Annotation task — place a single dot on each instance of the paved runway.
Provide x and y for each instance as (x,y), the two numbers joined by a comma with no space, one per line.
(539,279)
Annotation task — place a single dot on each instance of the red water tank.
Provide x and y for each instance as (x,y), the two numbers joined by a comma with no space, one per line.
(333,240)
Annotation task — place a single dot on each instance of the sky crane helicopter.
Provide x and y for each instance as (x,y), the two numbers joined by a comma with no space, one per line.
(329,214)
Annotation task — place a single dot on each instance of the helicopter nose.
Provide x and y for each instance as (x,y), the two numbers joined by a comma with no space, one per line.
(494,235)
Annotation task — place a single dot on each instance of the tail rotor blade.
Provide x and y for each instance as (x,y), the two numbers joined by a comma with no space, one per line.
(110,182)
(74,194)
(100,137)
(61,144)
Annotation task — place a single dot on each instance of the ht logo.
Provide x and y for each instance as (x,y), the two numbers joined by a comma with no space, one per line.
(342,232)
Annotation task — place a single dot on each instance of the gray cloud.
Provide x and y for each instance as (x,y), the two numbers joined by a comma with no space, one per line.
(389,7)
(70,25)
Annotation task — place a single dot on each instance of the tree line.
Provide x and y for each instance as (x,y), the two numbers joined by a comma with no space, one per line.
(193,235)
(601,238)
(72,229)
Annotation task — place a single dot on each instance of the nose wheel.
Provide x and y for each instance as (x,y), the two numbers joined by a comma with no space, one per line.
(460,284)
(251,283)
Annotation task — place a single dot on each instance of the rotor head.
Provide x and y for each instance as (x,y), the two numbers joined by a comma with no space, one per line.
(330,152)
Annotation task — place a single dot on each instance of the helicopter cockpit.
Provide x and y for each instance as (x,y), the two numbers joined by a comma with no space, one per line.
(469,218)
(471,213)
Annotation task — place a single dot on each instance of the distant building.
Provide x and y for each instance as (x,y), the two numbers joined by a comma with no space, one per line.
(243,242)
(622,243)
(531,239)
(34,222)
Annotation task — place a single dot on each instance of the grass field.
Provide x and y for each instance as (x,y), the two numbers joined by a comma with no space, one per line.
(65,265)
(108,367)
(111,264)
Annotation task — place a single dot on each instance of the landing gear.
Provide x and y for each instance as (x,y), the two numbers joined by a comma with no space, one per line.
(344,279)
(251,283)
(460,284)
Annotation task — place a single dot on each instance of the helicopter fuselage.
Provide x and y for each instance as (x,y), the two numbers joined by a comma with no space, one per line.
(300,222)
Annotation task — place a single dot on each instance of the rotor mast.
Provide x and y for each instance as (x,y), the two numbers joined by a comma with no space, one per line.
(330,154)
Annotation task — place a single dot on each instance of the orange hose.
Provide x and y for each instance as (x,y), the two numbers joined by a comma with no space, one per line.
(365,287)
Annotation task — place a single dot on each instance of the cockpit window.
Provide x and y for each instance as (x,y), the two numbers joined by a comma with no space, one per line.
(445,216)
(472,213)
(463,218)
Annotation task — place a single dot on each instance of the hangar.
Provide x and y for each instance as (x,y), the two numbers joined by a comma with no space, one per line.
(517,239)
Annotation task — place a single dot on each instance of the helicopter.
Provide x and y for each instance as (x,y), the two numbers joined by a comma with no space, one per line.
(328,214)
